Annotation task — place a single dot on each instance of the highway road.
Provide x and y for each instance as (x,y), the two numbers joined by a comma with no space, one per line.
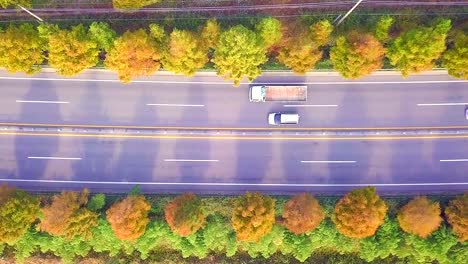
(232,165)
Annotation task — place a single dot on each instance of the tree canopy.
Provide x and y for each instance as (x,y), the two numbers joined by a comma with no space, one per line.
(72,51)
(417,49)
(210,33)
(383,27)
(302,214)
(133,4)
(457,216)
(8,3)
(420,217)
(269,29)
(134,54)
(253,216)
(357,55)
(359,213)
(455,59)
(239,54)
(185,214)
(102,34)
(21,49)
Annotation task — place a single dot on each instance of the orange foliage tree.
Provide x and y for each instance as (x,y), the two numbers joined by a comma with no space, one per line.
(68,216)
(360,213)
(134,54)
(420,217)
(253,216)
(302,214)
(185,214)
(129,217)
(457,216)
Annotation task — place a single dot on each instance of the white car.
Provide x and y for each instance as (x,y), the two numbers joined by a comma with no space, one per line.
(466,113)
(283,119)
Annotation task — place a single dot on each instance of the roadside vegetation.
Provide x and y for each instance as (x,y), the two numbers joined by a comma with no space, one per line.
(237,51)
(361,226)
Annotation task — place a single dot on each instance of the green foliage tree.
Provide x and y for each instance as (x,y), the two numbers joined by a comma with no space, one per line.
(67,216)
(18,210)
(420,217)
(185,53)
(253,216)
(210,33)
(185,214)
(239,53)
(269,29)
(11,3)
(457,216)
(72,51)
(132,4)
(417,49)
(359,213)
(97,202)
(383,244)
(383,27)
(302,214)
(21,49)
(267,245)
(157,33)
(357,55)
(102,34)
(129,217)
(455,59)
(134,54)
(45,30)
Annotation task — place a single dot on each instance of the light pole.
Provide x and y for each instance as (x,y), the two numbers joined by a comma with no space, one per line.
(31,13)
(349,12)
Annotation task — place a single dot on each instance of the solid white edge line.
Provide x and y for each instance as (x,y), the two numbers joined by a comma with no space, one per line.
(186,105)
(42,102)
(54,158)
(442,104)
(454,160)
(189,160)
(227,83)
(242,184)
(328,161)
(290,105)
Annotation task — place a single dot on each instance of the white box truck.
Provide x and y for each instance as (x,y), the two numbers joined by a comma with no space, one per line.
(285,93)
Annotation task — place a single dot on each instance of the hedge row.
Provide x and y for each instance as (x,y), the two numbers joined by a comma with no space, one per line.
(121,4)
(69,225)
(238,51)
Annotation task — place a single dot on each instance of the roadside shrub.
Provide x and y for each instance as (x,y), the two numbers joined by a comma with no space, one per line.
(253,216)
(359,213)
(18,210)
(457,216)
(383,27)
(97,202)
(420,217)
(132,4)
(129,217)
(357,55)
(185,215)
(302,214)
(67,216)
(456,58)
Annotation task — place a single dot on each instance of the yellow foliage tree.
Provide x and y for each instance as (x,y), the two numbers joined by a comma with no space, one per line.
(457,216)
(134,54)
(129,217)
(420,217)
(360,213)
(210,33)
(253,216)
(72,51)
(302,214)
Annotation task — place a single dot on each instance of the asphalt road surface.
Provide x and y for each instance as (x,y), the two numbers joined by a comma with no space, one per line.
(234,165)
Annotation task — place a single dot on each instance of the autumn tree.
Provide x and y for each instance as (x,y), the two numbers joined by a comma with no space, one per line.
(157,33)
(13,3)
(253,216)
(420,217)
(134,54)
(269,29)
(18,210)
(210,33)
(455,59)
(185,53)
(102,34)
(359,213)
(239,53)
(129,217)
(72,51)
(302,214)
(68,216)
(357,55)
(457,216)
(417,49)
(383,27)
(21,49)
(301,50)
(132,4)
(185,214)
